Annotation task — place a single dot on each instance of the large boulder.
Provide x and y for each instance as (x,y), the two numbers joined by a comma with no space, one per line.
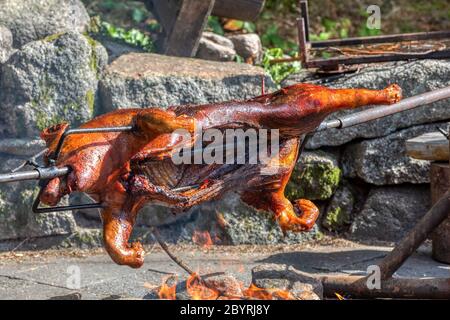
(413,77)
(315,177)
(144,80)
(50,81)
(16,218)
(31,20)
(384,160)
(6,41)
(390,212)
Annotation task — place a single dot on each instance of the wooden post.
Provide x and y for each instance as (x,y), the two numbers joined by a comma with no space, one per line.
(434,146)
(183,22)
(182,40)
(440,183)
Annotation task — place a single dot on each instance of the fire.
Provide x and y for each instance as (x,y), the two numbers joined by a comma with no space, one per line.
(255,292)
(202,238)
(166,291)
(197,289)
(340,297)
(221,220)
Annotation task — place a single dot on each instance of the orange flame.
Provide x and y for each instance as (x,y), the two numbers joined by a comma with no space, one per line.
(202,239)
(255,292)
(198,290)
(221,220)
(339,296)
(166,291)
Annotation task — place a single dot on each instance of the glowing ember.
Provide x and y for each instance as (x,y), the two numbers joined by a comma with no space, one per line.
(202,239)
(197,289)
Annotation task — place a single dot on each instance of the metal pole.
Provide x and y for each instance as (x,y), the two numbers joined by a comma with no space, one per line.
(387,110)
(302,44)
(36,174)
(305,15)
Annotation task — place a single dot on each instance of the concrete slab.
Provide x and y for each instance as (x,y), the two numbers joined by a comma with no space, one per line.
(45,275)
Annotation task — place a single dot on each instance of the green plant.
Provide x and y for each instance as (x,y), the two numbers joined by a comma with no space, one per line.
(133,36)
(214,25)
(333,29)
(278,71)
(272,39)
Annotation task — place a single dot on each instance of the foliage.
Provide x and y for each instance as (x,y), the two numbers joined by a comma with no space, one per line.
(215,26)
(278,71)
(333,29)
(282,5)
(272,39)
(132,36)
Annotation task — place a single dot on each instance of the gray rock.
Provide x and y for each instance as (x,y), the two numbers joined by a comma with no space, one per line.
(115,48)
(210,50)
(248,46)
(384,160)
(215,47)
(230,221)
(50,81)
(413,77)
(21,147)
(390,212)
(340,210)
(279,276)
(31,20)
(16,218)
(217,38)
(6,42)
(145,80)
(315,177)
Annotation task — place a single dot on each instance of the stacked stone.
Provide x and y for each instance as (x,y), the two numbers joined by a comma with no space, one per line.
(51,71)
(382,192)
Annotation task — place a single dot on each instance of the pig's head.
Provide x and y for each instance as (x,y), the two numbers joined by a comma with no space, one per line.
(56,188)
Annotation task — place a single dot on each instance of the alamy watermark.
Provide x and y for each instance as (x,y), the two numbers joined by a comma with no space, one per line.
(228,146)
(373,277)
(73,280)
(374,18)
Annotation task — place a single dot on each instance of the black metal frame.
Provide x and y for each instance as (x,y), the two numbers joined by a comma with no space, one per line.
(36,203)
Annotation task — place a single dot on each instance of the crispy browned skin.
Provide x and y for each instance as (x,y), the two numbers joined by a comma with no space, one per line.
(126,170)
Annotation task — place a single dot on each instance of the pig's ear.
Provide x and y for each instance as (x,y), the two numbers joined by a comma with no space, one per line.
(51,135)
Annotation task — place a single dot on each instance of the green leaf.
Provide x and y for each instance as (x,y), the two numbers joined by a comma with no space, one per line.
(214,25)
(138,15)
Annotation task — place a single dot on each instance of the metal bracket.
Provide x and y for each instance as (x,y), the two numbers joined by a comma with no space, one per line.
(47,175)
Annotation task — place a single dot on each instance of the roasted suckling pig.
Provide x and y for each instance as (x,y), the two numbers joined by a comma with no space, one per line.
(126,170)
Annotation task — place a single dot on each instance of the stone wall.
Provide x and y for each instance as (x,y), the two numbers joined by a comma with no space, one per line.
(382,192)
(50,71)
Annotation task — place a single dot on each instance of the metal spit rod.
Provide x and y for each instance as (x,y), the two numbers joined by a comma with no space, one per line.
(339,123)
(35,174)
(386,110)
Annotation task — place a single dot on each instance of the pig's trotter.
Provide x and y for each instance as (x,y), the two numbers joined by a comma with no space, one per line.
(117,227)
